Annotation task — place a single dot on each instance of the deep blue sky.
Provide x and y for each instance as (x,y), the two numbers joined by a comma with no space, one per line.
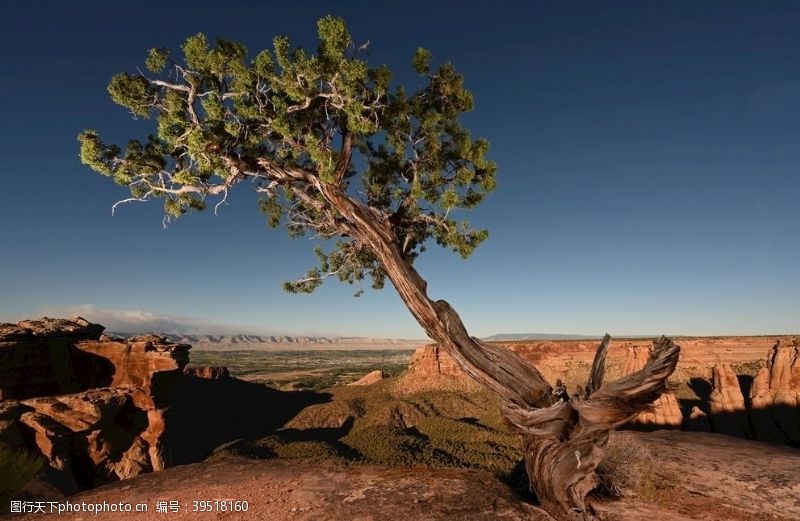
(649,181)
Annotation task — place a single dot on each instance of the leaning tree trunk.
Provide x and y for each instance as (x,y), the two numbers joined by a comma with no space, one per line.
(563,437)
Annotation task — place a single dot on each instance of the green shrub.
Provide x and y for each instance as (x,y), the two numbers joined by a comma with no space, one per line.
(17,468)
(748,368)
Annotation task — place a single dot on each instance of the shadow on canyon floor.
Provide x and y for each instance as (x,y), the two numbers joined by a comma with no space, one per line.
(777,423)
(204,414)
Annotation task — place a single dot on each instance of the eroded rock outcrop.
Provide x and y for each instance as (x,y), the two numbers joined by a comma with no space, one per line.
(209,372)
(726,403)
(91,405)
(698,420)
(432,361)
(765,408)
(771,411)
(666,412)
(39,358)
(775,396)
(56,356)
(137,360)
(369,378)
(433,368)
(76,328)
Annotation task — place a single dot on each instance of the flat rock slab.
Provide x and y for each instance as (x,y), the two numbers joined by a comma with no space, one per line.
(277,490)
(717,477)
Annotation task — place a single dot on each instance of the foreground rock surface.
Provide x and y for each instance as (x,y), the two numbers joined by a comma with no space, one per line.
(716,477)
(712,476)
(278,490)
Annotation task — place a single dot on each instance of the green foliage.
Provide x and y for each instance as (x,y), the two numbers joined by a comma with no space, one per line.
(422,60)
(750,368)
(132,92)
(282,119)
(157,59)
(96,155)
(17,468)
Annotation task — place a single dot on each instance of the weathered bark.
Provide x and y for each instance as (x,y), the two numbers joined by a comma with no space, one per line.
(564,443)
(563,438)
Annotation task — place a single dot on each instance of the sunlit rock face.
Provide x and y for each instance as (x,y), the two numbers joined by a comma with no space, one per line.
(775,396)
(433,361)
(726,404)
(209,372)
(770,409)
(665,413)
(369,378)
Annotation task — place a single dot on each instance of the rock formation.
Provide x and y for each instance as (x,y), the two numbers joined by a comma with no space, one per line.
(209,372)
(726,403)
(431,361)
(726,395)
(56,356)
(369,378)
(666,413)
(431,368)
(766,410)
(698,420)
(775,396)
(93,406)
(38,358)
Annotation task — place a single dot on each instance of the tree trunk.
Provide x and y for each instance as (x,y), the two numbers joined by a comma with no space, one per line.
(564,442)
(563,438)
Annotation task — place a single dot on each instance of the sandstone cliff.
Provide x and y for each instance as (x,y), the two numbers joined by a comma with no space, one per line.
(771,411)
(726,404)
(666,413)
(775,396)
(94,407)
(768,409)
(432,368)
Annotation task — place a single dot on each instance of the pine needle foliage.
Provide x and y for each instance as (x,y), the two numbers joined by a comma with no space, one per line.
(290,121)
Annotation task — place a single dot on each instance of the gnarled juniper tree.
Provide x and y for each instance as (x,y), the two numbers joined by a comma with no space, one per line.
(335,150)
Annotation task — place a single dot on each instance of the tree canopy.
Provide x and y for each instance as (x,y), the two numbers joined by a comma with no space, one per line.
(296,124)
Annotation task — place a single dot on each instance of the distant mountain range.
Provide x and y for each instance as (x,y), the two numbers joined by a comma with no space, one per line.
(506,337)
(201,342)
(285,342)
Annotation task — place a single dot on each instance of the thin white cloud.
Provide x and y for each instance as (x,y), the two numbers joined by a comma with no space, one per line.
(140,321)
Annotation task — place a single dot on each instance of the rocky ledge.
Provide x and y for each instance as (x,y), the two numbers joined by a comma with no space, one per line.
(57,356)
(93,406)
